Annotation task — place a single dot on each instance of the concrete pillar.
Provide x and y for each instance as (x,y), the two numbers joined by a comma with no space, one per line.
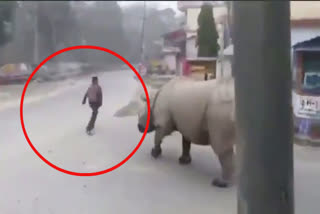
(263,100)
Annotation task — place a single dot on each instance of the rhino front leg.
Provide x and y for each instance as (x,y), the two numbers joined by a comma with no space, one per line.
(159,135)
(185,157)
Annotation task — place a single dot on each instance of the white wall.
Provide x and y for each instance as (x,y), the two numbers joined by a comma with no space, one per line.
(191,50)
(170,60)
(227,69)
(305,9)
(192,18)
(179,68)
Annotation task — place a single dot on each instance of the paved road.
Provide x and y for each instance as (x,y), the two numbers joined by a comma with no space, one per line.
(56,123)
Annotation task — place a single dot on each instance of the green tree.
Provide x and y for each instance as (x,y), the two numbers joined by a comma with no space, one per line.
(101,25)
(207,38)
(157,23)
(57,24)
(7,12)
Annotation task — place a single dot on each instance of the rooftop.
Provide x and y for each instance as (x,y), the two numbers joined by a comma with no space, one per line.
(308,45)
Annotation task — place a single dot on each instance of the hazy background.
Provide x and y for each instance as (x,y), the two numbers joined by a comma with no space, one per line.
(41,28)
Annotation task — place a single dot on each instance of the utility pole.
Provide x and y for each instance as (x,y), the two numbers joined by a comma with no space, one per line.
(36,35)
(142,31)
(222,51)
(263,100)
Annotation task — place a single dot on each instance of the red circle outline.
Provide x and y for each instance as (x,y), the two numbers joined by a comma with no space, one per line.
(25,132)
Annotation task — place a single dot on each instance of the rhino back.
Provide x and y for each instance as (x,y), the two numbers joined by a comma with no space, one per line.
(187,103)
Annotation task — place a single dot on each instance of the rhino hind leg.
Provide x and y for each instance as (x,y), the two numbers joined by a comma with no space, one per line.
(227,165)
(185,158)
(222,139)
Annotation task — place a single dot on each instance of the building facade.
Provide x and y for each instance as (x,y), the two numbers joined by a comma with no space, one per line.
(200,66)
(306,91)
(191,10)
(173,51)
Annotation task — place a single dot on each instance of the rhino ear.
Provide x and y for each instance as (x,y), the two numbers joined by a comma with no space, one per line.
(152,94)
(143,98)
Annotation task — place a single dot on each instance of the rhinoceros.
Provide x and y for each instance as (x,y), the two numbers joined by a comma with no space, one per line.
(203,112)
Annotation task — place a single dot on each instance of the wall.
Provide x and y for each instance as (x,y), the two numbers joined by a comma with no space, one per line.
(225,64)
(191,50)
(179,67)
(170,60)
(305,9)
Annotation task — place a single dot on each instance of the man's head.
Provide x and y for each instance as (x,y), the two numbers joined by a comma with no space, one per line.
(94,80)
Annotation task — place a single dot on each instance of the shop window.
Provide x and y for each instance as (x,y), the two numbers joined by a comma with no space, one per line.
(311,67)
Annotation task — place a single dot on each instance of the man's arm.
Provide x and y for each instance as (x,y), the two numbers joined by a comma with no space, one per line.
(85,98)
(100,97)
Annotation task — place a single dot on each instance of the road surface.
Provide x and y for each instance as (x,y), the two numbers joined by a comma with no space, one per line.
(55,121)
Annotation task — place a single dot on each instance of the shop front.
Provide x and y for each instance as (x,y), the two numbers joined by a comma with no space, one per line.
(306,90)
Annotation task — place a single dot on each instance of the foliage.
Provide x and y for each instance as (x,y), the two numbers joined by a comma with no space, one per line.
(57,24)
(68,23)
(7,12)
(207,38)
(158,22)
(101,24)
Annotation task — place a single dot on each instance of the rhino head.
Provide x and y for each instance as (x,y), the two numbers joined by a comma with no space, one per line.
(143,115)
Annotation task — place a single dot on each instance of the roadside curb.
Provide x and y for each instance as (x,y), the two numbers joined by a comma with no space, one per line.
(306,142)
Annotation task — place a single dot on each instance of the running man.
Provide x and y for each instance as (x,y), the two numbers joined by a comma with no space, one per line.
(94,94)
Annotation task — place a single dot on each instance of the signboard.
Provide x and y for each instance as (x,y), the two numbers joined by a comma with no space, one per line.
(306,106)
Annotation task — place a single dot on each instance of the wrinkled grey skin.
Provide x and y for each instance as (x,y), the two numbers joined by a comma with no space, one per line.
(218,129)
(185,158)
